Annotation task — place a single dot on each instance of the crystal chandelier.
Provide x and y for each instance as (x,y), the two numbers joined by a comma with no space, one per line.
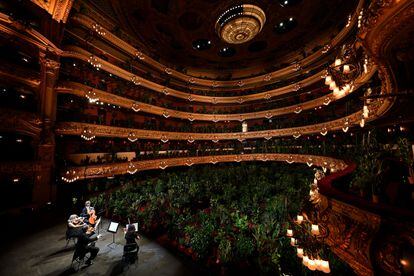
(91,96)
(341,75)
(131,168)
(87,134)
(94,62)
(70,176)
(307,234)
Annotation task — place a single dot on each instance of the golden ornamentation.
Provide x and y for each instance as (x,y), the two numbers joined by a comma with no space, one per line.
(240,24)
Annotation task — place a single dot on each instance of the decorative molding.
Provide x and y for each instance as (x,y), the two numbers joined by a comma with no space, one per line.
(81,54)
(105,170)
(80,90)
(20,169)
(59,9)
(377,109)
(29,35)
(20,121)
(350,233)
(88,22)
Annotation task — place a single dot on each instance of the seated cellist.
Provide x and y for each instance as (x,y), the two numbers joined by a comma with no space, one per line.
(89,213)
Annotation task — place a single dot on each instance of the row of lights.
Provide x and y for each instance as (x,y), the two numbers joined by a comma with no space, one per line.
(94,61)
(87,134)
(98,29)
(70,176)
(91,96)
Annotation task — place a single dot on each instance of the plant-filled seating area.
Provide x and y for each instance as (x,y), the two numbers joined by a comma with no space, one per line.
(230,217)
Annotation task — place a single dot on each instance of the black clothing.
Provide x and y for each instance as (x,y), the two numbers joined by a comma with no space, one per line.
(85,214)
(72,232)
(130,237)
(83,247)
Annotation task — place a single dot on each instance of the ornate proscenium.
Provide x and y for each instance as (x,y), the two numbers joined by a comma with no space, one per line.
(240,23)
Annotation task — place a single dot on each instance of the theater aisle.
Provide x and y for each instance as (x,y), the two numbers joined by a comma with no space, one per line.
(44,253)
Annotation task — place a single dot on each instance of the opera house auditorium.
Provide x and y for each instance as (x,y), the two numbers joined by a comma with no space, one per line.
(207,137)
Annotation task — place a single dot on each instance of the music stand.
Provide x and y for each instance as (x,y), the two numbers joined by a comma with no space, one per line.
(100,217)
(113,228)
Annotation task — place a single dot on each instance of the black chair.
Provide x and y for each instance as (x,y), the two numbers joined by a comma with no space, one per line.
(70,238)
(130,255)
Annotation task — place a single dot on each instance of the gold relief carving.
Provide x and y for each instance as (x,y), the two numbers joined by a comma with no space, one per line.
(87,21)
(385,19)
(73,128)
(59,9)
(20,121)
(388,247)
(49,65)
(106,170)
(351,231)
(79,90)
(79,53)
(19,168)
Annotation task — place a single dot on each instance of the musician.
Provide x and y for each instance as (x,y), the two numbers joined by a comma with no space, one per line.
(84,245)
(75,225)
(86,210)
(131,247)
(131,235)
(89,213)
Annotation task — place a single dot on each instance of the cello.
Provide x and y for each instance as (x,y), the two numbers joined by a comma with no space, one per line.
(92,216)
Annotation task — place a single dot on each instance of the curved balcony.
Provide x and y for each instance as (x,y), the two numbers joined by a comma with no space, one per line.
(109,98)
(78,53)
(19,31)
(377,108)
(20,121)
(109,170)
(78,110)
(237,90)
(271,77)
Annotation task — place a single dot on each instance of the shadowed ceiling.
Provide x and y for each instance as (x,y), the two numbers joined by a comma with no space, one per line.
(168,30)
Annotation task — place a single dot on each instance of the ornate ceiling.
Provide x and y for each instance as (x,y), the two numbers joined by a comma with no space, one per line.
(169,30)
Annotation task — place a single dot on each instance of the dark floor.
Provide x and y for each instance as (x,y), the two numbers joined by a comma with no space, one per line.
(44,253)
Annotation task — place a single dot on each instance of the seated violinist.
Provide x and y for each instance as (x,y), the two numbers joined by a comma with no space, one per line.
(75,225)
(85,244)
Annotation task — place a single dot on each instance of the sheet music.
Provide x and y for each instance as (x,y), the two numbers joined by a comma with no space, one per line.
(113,227)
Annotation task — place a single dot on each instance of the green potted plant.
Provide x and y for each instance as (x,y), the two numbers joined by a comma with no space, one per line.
(406,155)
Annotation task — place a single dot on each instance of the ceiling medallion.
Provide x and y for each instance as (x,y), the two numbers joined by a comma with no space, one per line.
(240,23)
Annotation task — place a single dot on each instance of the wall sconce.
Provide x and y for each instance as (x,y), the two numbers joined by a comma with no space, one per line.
(87,134)
(139,55)
(165,91)
(131,168)
(91,96)
(164,138)
(296,135)
(298,110)
(132,137)
(135,80)
(135,107)
(163,165)
(165,114)
(290,159)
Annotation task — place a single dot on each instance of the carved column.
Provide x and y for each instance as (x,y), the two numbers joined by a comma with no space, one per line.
(44,188)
